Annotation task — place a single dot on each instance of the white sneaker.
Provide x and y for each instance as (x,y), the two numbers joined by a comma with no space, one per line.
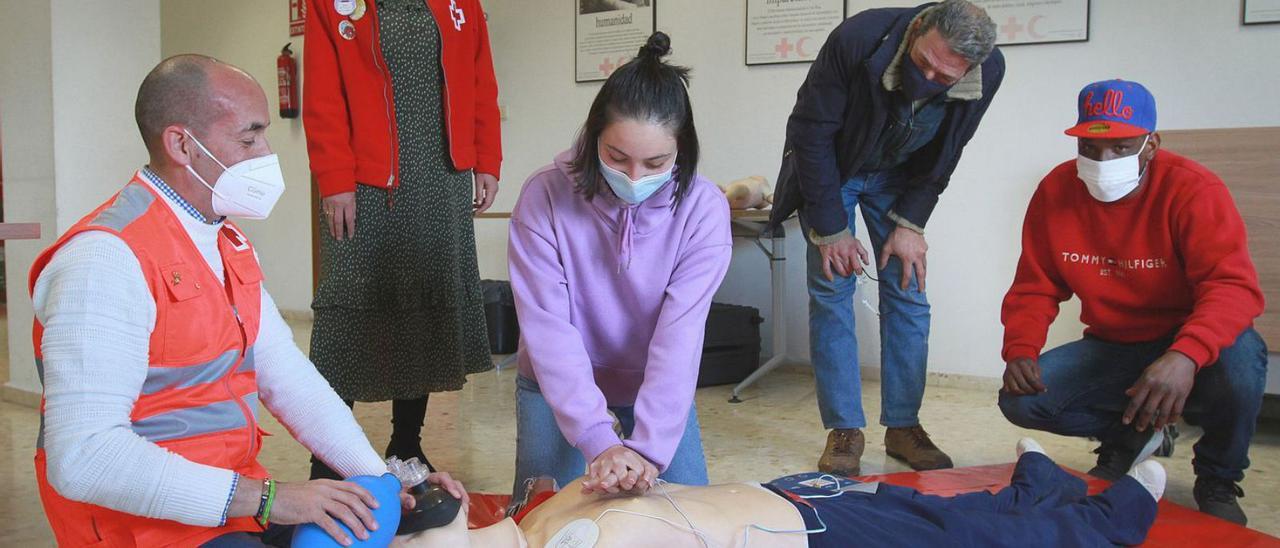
(1028,444)
(1150,474)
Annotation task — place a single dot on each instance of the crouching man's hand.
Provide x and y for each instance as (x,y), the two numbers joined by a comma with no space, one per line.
(1022,377)
(1161,392)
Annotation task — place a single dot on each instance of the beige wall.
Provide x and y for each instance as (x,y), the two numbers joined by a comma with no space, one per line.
(69,72)
(1201,64)
(1197,52)
(26,120)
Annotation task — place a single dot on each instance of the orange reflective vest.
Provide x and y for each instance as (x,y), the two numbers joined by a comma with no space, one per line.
(200,397)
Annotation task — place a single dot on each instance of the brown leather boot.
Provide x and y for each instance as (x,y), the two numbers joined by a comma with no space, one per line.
(912,444)
(843,456)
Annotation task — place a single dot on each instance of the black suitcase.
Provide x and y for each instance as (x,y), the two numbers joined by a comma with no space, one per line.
(731,347)
(500,315)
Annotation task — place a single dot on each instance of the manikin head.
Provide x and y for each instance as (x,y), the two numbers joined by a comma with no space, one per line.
(504,534)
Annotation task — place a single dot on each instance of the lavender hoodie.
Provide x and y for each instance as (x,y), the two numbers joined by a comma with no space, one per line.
(613,300)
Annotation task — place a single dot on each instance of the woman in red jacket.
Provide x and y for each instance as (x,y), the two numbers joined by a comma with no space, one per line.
(401,111)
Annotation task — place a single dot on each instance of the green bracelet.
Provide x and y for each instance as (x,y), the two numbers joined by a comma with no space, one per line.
(268,498)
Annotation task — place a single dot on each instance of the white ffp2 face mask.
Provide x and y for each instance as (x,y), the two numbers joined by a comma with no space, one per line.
(248,189)
(1110,180)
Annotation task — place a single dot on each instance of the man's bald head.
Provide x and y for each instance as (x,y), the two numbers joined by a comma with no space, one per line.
(188,90)
(198,116)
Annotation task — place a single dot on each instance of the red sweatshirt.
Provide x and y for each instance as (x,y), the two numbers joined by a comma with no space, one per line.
(1172,258)
(348,108)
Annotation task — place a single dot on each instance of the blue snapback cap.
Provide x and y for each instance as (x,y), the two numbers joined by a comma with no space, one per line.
(1114,109)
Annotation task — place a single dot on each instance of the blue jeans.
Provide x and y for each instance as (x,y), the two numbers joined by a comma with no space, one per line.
(275,535)
(904,321)
(541,450)
(1087,379)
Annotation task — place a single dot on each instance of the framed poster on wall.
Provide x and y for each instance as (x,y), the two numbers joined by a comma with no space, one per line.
(608,33)
(853,7)
(1258,12)
(789,31)
(1038,22)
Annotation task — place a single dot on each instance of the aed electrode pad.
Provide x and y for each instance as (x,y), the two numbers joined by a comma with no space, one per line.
(579,533)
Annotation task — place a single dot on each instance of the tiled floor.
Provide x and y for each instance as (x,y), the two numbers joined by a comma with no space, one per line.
(774,432)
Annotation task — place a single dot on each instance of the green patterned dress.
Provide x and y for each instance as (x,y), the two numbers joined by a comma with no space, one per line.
(398,313)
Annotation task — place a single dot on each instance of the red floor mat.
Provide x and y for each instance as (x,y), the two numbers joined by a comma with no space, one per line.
(1176,526)
(486,509)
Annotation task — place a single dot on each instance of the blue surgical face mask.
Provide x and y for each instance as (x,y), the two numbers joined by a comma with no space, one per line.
(634,192)
(914,83)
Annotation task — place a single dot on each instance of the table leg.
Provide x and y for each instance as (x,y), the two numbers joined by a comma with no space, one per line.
(507,361)
(778,289)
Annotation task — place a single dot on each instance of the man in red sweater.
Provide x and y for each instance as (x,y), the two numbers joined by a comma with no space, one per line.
(1153,246)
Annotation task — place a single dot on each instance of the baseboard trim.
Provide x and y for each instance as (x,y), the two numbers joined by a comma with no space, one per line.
(1270,402)
(19,396)
(944,380)
(298,315)
(947,380)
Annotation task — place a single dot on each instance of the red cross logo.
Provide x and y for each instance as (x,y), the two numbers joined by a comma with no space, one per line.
(455,13)
(606,67)
(233,235)
(784,48)
(1011,28)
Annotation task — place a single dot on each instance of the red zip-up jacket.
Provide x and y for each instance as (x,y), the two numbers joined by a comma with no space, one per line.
(348,107)
(1173,259)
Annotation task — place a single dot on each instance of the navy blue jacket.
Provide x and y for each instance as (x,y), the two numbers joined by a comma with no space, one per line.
(840,111)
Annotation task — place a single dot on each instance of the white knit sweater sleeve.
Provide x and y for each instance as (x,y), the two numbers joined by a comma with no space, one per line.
(98,315)
(293,391)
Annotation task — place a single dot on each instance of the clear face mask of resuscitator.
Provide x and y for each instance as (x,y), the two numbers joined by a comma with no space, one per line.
(247,189)
(1111,180)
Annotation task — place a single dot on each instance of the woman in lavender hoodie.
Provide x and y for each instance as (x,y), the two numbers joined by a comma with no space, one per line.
(615,251)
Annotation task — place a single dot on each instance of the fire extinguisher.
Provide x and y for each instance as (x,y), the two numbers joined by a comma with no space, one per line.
(287,73)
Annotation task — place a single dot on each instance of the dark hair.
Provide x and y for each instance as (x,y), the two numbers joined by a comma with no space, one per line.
(647,89)
(967,29)
(176,91)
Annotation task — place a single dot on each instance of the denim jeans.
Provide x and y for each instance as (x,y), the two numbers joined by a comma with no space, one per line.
(541,450)
(275,535)
(1086,380)
(904,321)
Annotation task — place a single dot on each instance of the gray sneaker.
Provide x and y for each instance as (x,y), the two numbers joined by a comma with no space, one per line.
(1166,447)
(1119,453)
(1217,497)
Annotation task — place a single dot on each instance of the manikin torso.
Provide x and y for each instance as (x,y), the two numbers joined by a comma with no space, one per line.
(722,513)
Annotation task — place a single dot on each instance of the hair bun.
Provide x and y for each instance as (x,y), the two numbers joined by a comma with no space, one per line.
(657,47)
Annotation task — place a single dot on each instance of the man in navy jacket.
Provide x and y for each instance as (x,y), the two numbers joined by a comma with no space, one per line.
(880,122)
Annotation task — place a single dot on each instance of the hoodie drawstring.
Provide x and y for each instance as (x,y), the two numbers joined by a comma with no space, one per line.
(626,228)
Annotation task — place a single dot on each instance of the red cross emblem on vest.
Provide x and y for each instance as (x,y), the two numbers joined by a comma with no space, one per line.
(455,13)
(237,239)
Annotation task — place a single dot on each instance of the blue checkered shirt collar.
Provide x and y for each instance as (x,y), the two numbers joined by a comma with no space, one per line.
(177,198)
